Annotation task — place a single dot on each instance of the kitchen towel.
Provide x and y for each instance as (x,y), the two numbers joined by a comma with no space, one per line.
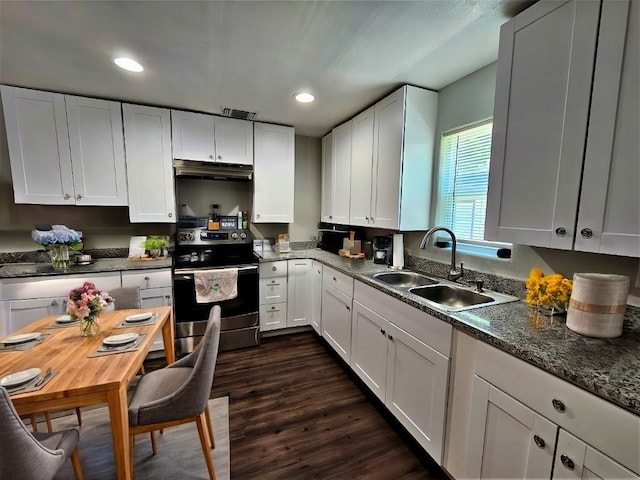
(398,251)
(216,285)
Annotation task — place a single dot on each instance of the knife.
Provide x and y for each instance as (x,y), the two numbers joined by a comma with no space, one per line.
(44,378)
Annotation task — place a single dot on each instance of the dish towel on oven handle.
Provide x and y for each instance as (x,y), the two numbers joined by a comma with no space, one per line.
(216,285)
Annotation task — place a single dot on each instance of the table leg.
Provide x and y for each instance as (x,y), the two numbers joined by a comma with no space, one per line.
(168,338)
(118,413)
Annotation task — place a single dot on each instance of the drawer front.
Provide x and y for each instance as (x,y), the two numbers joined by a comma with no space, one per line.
(337,280)
(40,287)
(273,290)
(147,278)
(599,423)
(273,269)
(273,317)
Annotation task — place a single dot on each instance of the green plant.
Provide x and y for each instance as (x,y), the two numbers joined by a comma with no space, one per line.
(154,243)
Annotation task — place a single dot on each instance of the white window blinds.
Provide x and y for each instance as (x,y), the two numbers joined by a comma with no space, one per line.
(463,179)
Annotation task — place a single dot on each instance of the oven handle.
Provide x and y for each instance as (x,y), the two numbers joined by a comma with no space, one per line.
(183,271)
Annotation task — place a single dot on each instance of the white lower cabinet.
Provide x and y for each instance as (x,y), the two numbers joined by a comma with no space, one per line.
(23,312)
(402,370)
(316,296)
(272,289)
(298,292)
(336,311)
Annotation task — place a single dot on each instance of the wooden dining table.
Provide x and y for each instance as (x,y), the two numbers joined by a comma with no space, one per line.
(83,380)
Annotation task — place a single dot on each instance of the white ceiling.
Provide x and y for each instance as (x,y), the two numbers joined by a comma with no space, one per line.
(250,55)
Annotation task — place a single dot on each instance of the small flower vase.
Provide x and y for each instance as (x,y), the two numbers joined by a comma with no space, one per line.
(59,256)
(90,326)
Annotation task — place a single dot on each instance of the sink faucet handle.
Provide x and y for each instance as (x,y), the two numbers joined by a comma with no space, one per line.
(479,284)
(455,274)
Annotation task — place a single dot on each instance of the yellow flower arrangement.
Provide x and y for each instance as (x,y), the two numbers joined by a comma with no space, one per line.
(550,291)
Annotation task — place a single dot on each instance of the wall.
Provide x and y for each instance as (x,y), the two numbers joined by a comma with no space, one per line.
(470,100)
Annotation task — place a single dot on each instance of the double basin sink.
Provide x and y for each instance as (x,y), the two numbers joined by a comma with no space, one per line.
(443,295)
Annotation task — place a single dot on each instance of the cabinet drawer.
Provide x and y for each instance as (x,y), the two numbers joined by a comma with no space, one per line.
(273,316)
(334,279)
(599,423)
(273,269)
(273,290)
(147,278)
(38,287)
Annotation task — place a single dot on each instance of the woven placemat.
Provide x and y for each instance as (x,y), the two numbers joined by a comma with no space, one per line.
(55,324)
(31,386)
(150,321)
(103,350)
(16,347)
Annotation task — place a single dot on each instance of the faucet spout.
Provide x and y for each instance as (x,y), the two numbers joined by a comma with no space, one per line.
(454,273)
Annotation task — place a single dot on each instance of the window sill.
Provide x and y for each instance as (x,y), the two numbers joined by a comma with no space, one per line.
(486,250)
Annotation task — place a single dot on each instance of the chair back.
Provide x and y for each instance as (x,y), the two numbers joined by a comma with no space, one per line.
(126,297)
(21,455)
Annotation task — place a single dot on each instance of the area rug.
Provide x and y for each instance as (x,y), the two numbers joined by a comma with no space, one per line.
(179,452)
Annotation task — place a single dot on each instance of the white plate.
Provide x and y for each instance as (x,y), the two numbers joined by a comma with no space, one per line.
(66,319)
(120,339)
(138,317)
(19,377)
(23,337)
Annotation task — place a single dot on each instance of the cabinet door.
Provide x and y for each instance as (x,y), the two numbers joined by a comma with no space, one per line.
(416,390)
(576,459)
(336,321)
(25,312)
(233,140)
(326,213)
(97,151)
(369,348)
(387,160)
(540,123)
(316,296)
(361,168)
(609,216)
(299,293)
(147,137)
(156,297)
(507,439)
(274,173)
(273,290)
(341,173)
(192,136)
(273,317)
(38,140)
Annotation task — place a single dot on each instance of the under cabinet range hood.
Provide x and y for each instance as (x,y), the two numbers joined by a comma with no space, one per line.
(213,170)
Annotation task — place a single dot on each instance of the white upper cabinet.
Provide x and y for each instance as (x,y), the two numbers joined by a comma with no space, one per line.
(209,138)
(274,173)
(147,133)
(326,207)
(543,189)
(340,174)
(64,150)
(361,168)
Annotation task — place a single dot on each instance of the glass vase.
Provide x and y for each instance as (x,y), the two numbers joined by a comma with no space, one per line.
(90,326)
(59,257)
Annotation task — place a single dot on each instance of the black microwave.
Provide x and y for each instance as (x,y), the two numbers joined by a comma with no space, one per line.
(331,240)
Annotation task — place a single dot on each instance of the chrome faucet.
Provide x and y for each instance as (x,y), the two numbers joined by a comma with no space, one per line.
(454,273)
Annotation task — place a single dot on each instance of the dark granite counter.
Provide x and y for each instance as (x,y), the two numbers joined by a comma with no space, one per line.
(608,368)
(17,270)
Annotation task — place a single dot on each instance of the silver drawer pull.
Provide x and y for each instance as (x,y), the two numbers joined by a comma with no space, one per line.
(558,405)
(539,441)
(567,462)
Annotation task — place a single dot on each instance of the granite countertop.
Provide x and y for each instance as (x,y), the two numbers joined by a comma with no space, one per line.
(17,270)
(606,367)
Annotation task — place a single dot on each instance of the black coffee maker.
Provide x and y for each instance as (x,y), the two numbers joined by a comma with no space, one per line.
(383,249)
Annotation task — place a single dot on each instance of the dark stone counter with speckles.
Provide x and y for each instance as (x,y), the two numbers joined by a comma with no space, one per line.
(17,270)
(609,368)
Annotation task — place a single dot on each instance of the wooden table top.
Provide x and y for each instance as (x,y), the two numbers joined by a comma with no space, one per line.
(68,352)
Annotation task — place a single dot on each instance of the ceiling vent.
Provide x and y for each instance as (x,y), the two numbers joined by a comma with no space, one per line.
(241,114)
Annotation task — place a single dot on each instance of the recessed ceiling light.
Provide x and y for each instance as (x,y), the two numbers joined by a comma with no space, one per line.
(304,97)
(128,64)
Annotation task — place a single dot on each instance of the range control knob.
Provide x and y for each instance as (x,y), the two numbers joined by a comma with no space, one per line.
(243,235)
(234,235)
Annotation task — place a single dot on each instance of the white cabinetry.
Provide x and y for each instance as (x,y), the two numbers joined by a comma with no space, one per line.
(326,207)
(299,276)
(338,189)
(407,371)
(147,134)
(337,298)
(362,170)
(316,296)
(543,124)
(64,150)
(274,173)
(273,295)
(210,138)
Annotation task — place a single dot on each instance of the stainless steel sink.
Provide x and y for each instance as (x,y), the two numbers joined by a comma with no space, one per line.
(457,298)
(404,279)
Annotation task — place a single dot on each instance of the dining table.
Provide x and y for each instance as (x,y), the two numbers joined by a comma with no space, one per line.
(83,378)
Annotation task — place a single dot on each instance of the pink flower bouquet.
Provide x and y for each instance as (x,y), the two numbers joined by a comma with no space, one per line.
(86,303)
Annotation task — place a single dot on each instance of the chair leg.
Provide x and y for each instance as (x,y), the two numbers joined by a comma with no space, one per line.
(34,422)
(152,434)
(75,462)
(207,414)
(79,415)
(47,417)
(204,443)
(142,370)
(132,452)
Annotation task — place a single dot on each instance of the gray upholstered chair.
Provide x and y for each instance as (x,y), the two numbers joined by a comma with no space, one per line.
(33,456)
(179,393)
(126,297)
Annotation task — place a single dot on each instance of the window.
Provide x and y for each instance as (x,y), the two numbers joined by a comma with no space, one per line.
(463,179)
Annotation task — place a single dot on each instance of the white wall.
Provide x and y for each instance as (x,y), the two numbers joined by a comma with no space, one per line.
(470,100)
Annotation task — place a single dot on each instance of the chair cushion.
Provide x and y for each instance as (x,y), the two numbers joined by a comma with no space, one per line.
(65,440)
(155,386)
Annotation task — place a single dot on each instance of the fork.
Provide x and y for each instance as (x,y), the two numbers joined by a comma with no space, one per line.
(42,379)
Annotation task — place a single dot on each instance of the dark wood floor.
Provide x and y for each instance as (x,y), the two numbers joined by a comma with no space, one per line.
(294,413)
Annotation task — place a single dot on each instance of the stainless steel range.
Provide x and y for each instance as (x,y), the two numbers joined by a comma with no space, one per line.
(198,250)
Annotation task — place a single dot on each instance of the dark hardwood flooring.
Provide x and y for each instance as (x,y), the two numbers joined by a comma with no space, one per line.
(295,413)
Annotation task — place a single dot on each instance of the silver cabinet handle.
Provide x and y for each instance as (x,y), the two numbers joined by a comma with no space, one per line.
(567,462)
(334,279)
(561,231)
(539,441)
(273,308)
(274,268)
(170,215)
(219,157)
(586,233)
(558,405)
(330,216)
(54,303)
(390,337)
(66,196)
(211,157)
(383,332)
(348,308)
(146,278)
(78,197)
